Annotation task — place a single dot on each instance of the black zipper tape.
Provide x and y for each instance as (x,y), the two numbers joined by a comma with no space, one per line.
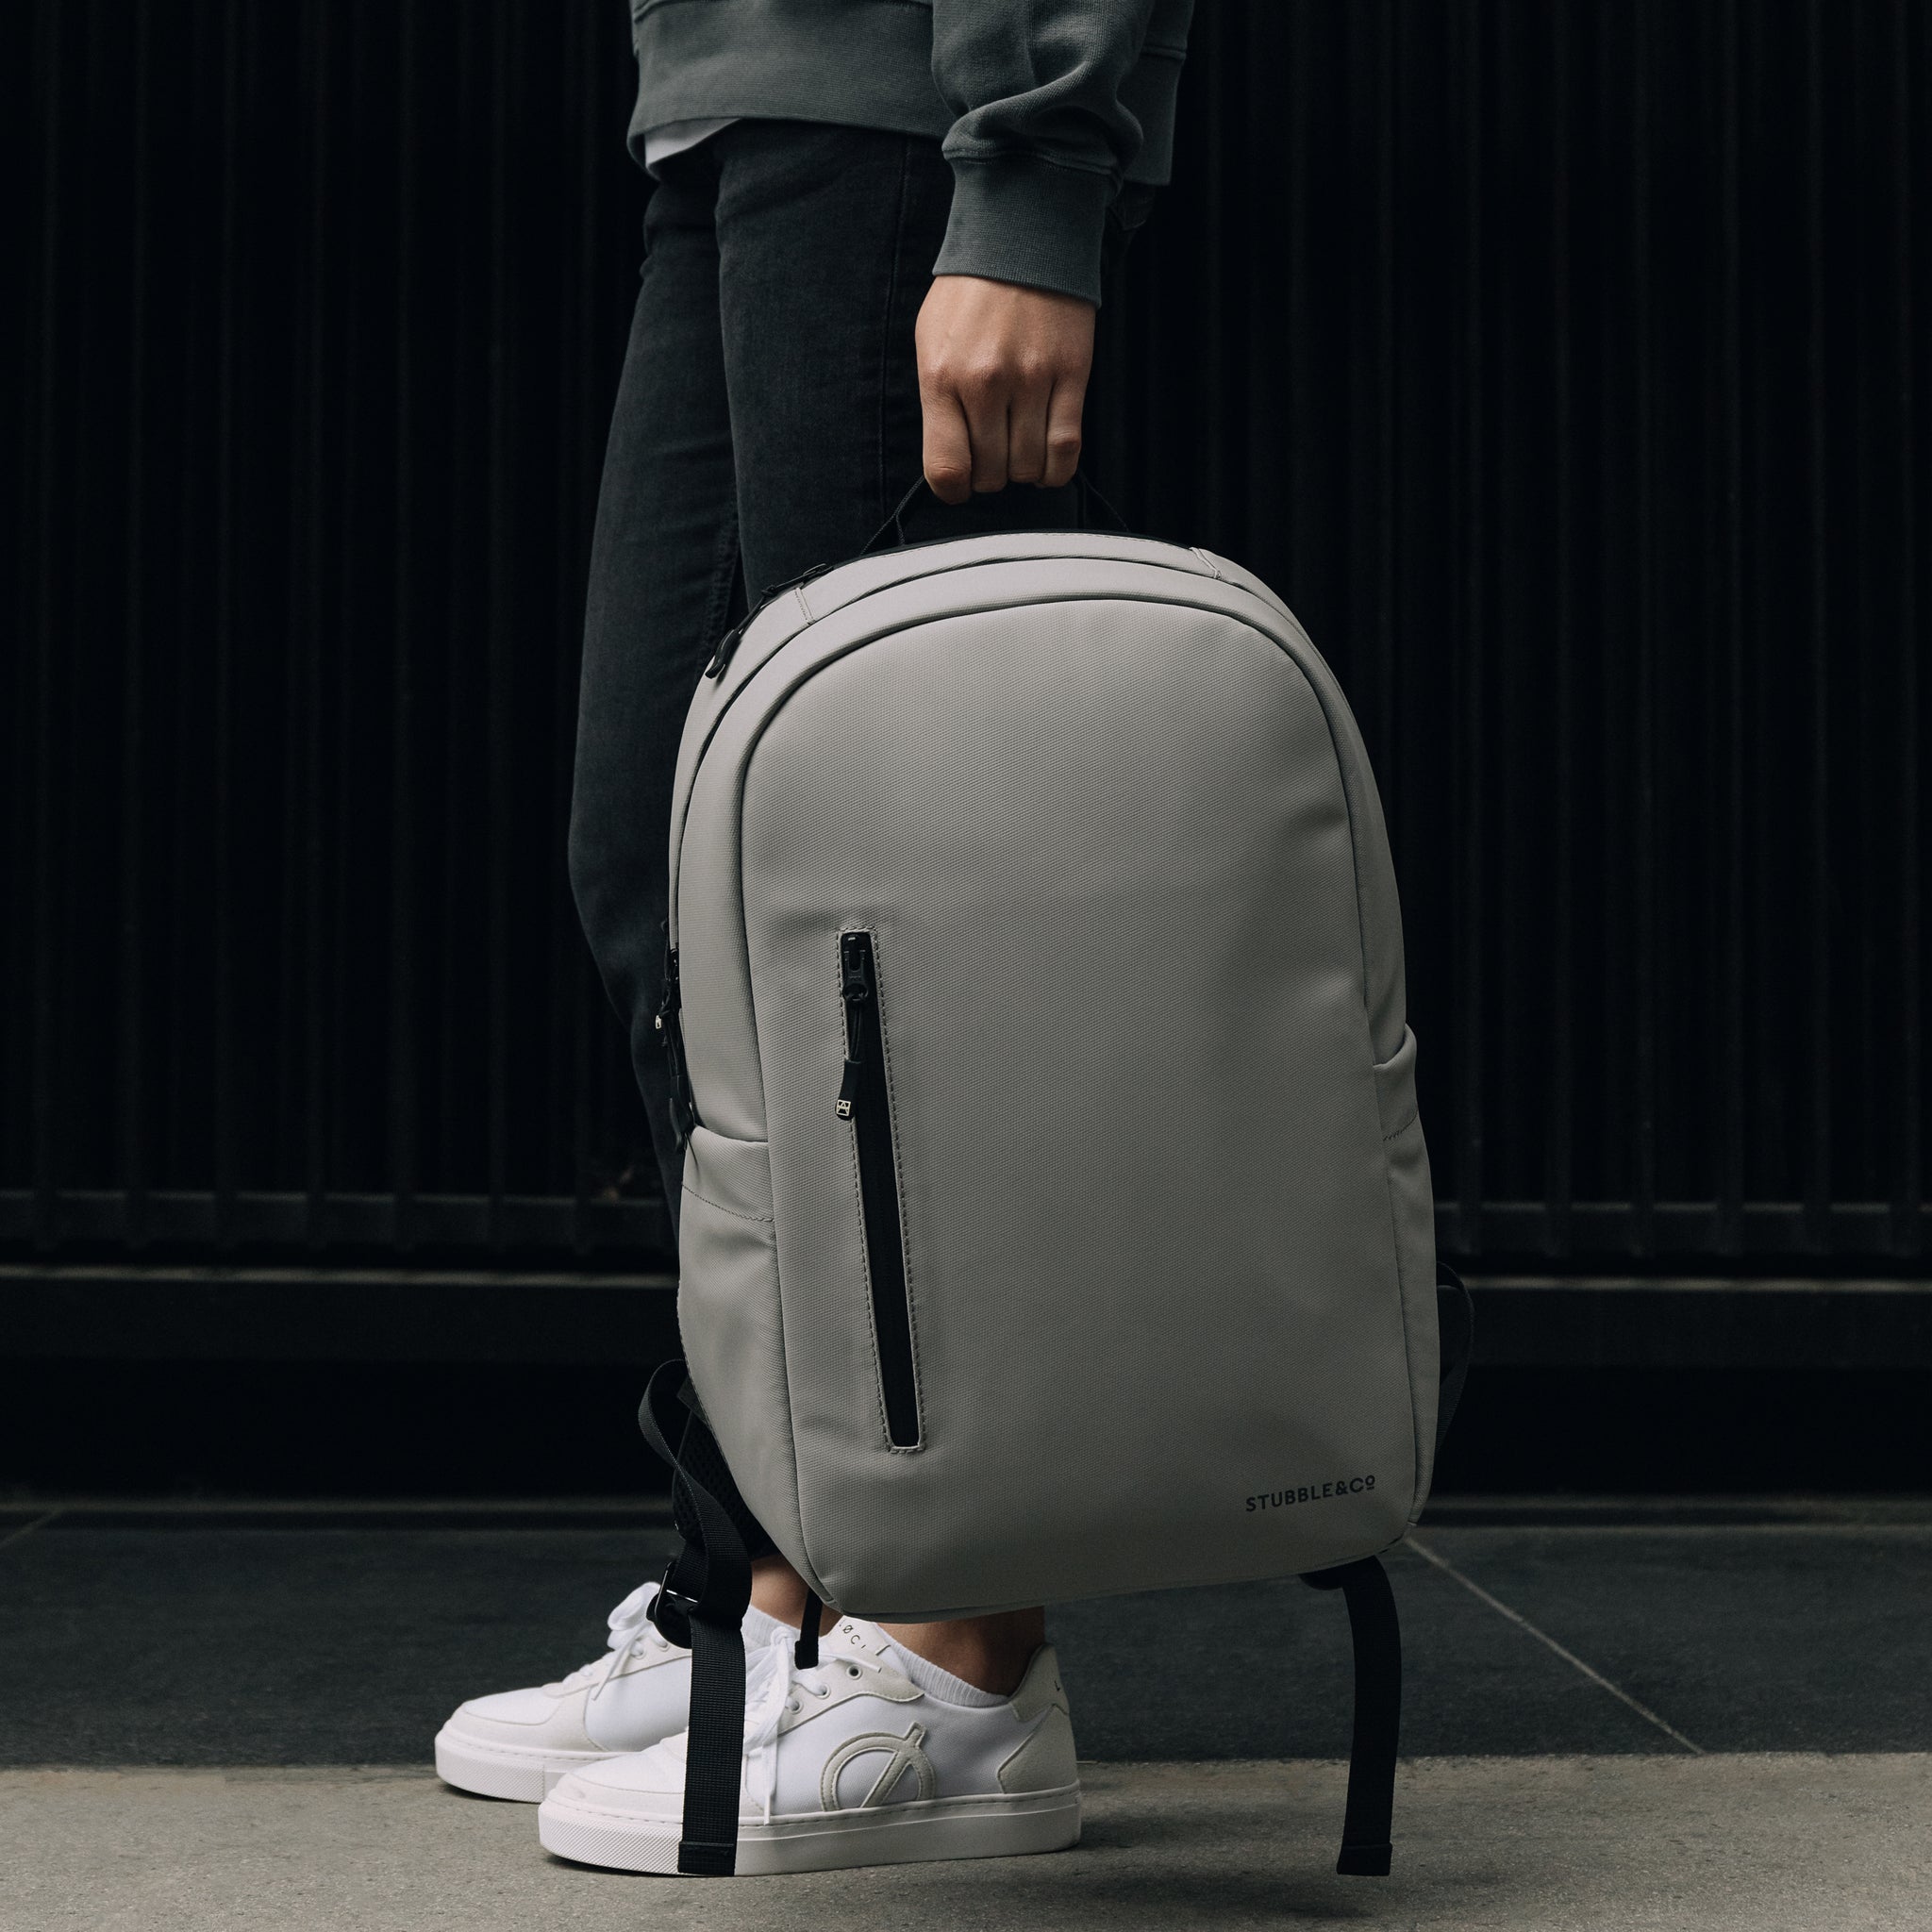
(668,1025)
(863,1102)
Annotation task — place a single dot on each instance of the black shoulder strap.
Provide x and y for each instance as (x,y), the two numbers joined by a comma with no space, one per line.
(1377,1632)
(804,1652)
(1376,1635)
(701,1603)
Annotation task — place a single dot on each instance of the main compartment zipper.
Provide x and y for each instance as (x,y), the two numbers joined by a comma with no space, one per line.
(668,1024)
(864,1102)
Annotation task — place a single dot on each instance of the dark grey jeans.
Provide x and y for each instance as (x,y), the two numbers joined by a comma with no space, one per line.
(767,420)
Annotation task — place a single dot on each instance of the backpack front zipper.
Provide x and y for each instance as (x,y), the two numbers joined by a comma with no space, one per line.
(863,1102)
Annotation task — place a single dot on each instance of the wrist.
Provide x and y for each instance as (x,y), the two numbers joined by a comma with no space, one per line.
(1018,219)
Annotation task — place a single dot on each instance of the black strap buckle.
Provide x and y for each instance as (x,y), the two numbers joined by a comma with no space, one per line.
(671,1609)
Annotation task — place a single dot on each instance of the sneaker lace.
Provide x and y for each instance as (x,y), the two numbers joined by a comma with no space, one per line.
(772,1685)
(767,1694)
(631,1632)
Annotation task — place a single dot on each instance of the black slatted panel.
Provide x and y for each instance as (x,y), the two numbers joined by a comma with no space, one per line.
(1564,366)
(1899,151)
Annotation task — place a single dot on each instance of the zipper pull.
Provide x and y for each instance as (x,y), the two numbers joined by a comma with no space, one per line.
(729,643)
(726,644)
(855,977)
(854,966)
(848,1090)
(666,988)
(684,1112)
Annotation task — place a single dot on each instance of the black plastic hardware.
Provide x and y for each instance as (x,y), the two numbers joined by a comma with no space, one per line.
(729,643)
(864,1101)
(671,1609)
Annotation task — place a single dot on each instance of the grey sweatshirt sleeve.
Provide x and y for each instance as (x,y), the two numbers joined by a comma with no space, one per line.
(1039,138)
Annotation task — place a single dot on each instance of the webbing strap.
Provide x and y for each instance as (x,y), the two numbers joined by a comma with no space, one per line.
(701,1603)
(894,524)
(804,1652)
(1376,1635)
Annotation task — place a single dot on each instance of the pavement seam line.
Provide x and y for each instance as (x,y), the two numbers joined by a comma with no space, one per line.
(1542,1637)
(27,1529)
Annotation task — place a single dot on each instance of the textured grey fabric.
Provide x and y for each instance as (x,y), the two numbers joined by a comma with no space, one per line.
(1046,107)
(1168,1234)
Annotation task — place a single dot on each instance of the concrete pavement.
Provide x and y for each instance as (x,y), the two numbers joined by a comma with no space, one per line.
(1629,1843)
(1697,1716)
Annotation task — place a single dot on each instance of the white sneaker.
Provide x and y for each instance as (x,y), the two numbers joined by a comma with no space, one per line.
(517,1742)
(848,1763)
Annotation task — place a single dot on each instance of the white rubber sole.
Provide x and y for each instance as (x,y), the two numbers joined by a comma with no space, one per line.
(516,1772)
(995,1826)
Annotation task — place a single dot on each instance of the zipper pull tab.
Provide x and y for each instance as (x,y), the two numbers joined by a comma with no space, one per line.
(670,1029)
(666,988)
(855,982)
(726,644)
(854,966)
(848,1090)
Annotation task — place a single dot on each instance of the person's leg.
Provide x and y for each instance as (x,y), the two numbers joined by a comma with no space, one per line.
(827,238)
(664,566)
(663,569)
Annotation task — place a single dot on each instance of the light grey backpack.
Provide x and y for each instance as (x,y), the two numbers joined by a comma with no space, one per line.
(1056,1214)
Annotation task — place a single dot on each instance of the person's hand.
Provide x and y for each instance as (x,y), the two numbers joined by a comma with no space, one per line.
(1002,376)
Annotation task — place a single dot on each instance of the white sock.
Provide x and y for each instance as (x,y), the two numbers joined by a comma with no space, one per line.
(760,1626)
(941,1684)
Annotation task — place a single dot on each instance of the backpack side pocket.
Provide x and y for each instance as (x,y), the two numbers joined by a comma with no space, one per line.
(1412,1210)
(732,1323)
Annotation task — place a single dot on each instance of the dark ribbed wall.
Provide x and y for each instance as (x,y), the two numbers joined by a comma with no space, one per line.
(1565,366)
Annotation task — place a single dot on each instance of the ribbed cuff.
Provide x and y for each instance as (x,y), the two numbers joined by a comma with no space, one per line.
(1018,219)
